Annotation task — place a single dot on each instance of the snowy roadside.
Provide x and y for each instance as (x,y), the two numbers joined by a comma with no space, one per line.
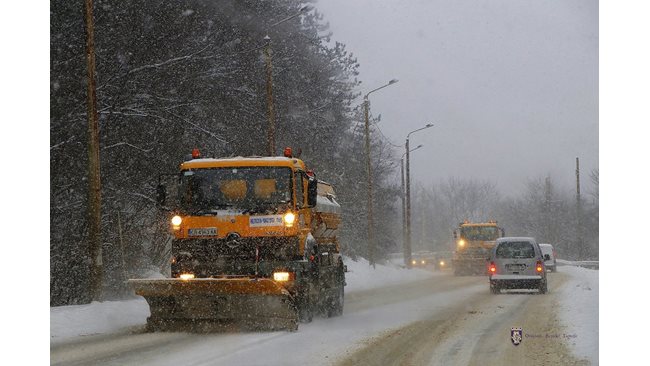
(579,311)
(112,316)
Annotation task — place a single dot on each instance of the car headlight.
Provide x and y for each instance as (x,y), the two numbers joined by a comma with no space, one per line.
(186,276)
(461,243)
(289,219)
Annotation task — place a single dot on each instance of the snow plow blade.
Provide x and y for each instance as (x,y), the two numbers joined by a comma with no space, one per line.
(207,304)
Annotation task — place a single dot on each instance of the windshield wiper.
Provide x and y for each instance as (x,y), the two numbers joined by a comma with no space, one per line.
(264,208)
(211,210)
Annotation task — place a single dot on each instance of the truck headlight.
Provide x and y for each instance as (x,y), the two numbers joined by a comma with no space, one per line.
(461,243)
(281,276)
(186,276)
(176,222)
(289,219)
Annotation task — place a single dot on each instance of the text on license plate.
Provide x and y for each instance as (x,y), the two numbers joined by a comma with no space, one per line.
(203,231)
(516,267)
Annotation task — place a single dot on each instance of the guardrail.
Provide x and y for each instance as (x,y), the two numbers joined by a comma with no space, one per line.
(583,264)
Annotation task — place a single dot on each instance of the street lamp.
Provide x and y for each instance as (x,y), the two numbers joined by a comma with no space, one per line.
(402,195)
(371,244)
(407,256)
(269,81)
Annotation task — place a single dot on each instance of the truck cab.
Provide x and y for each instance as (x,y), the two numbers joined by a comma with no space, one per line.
(473,244)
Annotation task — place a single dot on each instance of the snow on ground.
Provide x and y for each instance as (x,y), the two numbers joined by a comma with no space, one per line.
(579,311)
(113,316)
(361,276)
(96,318)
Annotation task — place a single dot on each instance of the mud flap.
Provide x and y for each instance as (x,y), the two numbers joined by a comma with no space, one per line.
(212,304)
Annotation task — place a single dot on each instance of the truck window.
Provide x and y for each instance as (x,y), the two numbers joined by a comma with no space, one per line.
(242,187)
(479,232)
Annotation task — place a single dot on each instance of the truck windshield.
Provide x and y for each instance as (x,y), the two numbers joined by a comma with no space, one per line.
(479,232)
(251,189)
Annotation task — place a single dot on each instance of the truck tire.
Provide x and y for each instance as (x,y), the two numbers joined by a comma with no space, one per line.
(336,304)
(305,306)
(305,313)
(543,287)
(494,289)
(336,308)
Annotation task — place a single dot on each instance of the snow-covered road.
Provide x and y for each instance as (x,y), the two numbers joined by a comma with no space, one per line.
(419,319)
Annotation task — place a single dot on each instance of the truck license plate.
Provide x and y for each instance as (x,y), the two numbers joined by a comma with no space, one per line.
(203,231)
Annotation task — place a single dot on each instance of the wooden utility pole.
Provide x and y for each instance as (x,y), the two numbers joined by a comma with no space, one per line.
(371,240)
(94,182)
(547,237)
(408,208)
(579,213)
(403,195)
(269,96)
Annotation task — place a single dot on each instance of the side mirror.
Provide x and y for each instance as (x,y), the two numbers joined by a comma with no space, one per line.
(455,235)
(312,192)
(547,257)
(161,194)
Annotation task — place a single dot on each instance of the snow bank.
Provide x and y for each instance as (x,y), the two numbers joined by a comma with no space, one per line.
(113,316)
(361,276)
(579,311)
(96,318)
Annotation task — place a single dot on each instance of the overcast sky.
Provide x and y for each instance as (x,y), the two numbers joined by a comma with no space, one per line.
(511,85)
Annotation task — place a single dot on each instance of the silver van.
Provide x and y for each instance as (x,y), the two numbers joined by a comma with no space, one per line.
(549,256)
(515,263)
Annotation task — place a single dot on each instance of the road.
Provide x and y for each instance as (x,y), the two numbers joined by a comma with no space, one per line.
(444,320)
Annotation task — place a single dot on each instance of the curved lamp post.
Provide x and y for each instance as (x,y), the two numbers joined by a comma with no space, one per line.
(407,250)
(371,243)
(403,197)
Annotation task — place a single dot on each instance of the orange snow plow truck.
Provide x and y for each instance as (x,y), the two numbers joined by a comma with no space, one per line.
(473,244)
(254,243)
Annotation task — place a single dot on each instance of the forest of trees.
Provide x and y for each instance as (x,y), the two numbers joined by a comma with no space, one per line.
(173,76)
(542,211)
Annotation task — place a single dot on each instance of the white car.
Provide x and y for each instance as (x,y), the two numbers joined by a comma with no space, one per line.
(549,256)
(515,263)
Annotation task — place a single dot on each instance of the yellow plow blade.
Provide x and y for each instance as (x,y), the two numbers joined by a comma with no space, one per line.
(204,303)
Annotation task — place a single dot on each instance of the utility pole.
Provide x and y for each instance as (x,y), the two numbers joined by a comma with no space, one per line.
(94,180)
(371,242)
(403,195)
(579,213)
(408,196)
(371,223)
(407,251)
(269,81)
(548,238)
(269,97)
